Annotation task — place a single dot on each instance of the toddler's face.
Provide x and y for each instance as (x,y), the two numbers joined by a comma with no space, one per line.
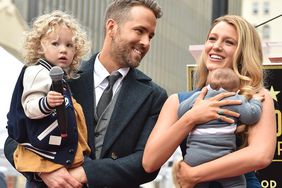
(58,46)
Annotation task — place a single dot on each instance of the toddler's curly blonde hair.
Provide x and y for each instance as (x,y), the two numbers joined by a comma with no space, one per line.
(44,25)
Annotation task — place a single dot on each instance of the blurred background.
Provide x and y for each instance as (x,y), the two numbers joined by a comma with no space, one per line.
(182,29)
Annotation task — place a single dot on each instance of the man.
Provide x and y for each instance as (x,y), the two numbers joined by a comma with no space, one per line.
(118,136)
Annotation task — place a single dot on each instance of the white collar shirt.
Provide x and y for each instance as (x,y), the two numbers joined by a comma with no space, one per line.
(100,81)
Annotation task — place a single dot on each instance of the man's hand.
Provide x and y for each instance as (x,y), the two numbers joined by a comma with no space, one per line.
(79,174)
(60,179)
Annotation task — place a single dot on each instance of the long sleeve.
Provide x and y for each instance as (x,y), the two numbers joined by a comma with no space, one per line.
(250,111)
(36,83)
(187,104)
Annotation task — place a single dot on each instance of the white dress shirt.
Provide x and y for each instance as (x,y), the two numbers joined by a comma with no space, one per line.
(100,81)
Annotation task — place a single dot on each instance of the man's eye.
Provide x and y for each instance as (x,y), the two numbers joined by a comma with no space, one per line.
(139,31)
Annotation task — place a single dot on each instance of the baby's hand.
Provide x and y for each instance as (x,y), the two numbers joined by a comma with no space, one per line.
(54,99)
(259,97)
(240,128)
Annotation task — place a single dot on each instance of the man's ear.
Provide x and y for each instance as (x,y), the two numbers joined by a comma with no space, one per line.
(111,27)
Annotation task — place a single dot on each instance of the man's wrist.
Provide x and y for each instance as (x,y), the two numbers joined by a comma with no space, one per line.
(83,175)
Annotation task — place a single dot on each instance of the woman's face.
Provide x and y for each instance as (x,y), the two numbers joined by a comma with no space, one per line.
(220,46)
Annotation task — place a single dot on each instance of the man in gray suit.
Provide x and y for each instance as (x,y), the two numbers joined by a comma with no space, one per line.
(118,136)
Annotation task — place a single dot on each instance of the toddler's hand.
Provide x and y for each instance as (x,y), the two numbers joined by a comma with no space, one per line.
(54,99)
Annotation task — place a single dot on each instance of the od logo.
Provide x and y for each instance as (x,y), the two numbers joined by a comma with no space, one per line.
(268,184)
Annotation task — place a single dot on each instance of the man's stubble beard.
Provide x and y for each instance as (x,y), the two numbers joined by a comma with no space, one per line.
(122,51)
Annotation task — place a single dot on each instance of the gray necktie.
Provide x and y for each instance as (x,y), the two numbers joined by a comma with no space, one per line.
(107,94)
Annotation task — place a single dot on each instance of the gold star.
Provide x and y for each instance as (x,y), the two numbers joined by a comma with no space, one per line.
(273,93)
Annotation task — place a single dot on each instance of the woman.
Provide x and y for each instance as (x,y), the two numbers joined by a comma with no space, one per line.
(233,43)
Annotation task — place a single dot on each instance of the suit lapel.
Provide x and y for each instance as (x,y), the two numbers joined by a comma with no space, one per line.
(83,92)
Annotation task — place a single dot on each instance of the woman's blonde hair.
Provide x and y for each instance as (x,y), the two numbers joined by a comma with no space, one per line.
(247,60)
(45,24)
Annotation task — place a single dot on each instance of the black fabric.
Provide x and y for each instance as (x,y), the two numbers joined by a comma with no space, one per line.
(14,126)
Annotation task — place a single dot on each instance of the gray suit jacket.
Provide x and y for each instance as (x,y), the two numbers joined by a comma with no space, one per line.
(134,116)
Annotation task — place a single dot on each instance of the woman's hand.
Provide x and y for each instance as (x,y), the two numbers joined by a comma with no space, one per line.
(205,110)
(184,176)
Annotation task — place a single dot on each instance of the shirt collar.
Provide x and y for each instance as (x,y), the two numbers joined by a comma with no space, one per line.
(100,72)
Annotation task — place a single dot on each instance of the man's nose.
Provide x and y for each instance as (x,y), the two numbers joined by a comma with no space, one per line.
(145,41)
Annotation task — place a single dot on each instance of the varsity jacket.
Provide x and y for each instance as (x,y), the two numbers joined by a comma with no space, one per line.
(42,135)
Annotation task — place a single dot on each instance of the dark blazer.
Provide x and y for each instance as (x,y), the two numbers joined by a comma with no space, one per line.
(134,116)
